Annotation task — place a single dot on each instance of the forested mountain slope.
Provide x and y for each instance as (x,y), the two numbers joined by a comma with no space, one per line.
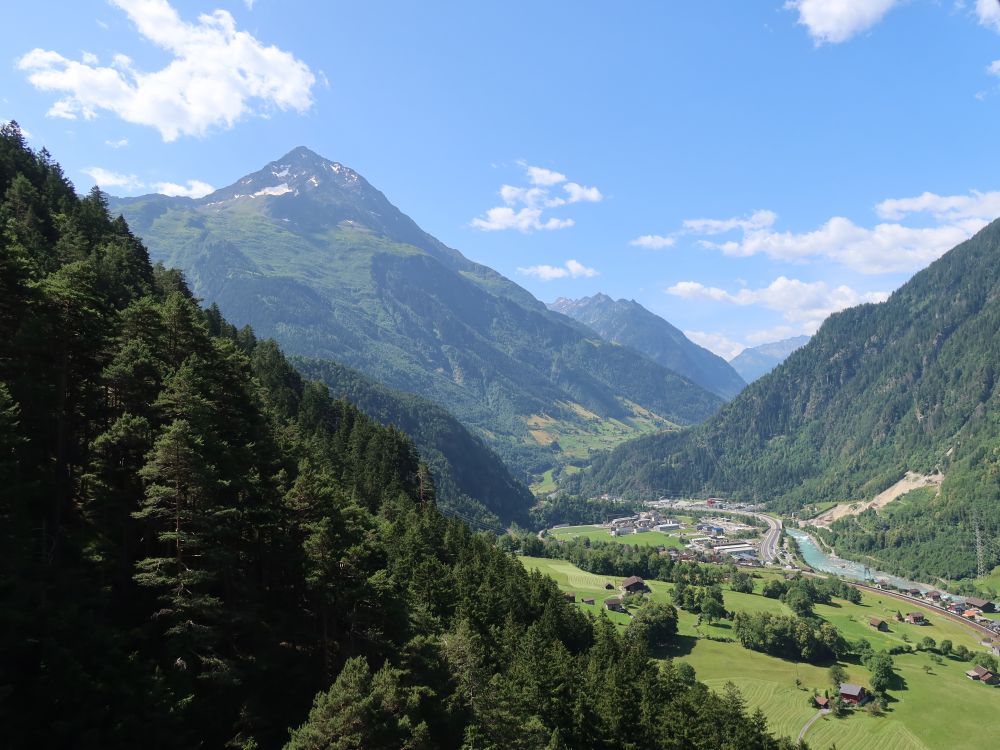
(194,541)
(470,479)
(628,323)
(307,252)
(909,384)
(757,361)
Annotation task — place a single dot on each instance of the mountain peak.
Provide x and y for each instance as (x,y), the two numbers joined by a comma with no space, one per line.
(628,323)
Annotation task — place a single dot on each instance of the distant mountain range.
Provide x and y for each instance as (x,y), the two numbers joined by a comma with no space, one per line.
(757,361)
(912,384)
(308,252)
(628,323)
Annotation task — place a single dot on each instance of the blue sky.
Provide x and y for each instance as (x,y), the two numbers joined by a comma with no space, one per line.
(740,168)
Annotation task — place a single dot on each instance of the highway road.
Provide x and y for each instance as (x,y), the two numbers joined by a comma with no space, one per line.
(769,545)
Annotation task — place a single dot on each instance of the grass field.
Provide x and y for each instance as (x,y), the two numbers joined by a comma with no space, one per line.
(991,581)
(598,533)
(941,709)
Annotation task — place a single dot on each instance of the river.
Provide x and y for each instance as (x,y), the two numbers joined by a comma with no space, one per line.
(817,559)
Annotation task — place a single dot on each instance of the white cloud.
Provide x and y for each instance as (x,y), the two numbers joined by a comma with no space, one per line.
(835,21)
(570,269)
(578,193)
(193,189)
(994,68)
(217,75)
(544,177)
(756,220)
(806,304)
(719,343)
(105,179)
(654,241)
(976,205)
(524,204)
(249,4)
(769,335)
(525,220)
(988,12)
(885,248)
(120,143)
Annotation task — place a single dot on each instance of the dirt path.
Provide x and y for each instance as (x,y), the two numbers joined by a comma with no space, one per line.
(821,712)
(911,481)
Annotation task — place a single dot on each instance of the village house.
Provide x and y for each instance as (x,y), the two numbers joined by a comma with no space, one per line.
(916,618)
(878,624)
(570,597)
(609,586)
(588,600)
(982,674)
(634,585)
(934,596)
(974,602)
(668,525)
(614,604)
(821,702)
(853,694)
(624,521)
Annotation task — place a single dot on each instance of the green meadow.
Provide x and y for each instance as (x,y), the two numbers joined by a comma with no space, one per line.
(933,708)
(598,533)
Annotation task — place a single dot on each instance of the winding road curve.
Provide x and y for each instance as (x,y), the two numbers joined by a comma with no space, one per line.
(821,712)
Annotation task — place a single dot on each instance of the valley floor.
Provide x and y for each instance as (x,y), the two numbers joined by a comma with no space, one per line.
(935,706)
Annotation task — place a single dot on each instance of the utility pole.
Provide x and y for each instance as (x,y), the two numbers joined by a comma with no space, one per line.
(980,557)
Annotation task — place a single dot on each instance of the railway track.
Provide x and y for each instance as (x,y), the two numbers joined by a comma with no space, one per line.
(937,610)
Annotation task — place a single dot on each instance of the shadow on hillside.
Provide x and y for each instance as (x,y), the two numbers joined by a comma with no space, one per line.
(898,682)
(681,645)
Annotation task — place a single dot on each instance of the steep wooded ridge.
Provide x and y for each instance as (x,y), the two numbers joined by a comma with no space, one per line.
(757,361)
(909,384)
(628,323)
(309,253)
(470,479)
(194,541)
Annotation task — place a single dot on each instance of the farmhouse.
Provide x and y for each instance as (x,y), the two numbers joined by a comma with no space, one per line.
(854,694)
(588,600)
(570,597)
(982,674)
(974,602)
(609,586)
(878,624)
(614,604)
(634,585)
(821,702)
(916,618)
